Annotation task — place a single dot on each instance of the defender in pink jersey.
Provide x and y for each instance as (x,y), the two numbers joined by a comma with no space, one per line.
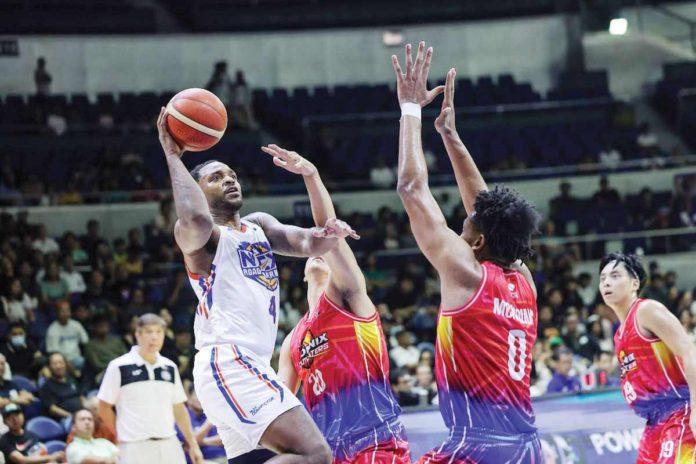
(657,360)
(488,316)
(338,351)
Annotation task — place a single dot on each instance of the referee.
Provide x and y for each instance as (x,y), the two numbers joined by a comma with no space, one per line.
(146,389)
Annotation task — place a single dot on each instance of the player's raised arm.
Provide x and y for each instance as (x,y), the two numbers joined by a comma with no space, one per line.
(469,179)
(654,317)
(440,245)
(195,224)
(346,276)
(286,368)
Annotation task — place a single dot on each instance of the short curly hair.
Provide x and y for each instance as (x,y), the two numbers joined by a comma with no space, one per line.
(632,264)
(508,222)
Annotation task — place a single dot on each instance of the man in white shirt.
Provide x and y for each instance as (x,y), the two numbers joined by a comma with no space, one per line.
(405,354)
(146,389)
(74,279)
(43,243)
(85,449)
(65,335)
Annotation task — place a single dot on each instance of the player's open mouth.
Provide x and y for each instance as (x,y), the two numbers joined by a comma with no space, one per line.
(231,191)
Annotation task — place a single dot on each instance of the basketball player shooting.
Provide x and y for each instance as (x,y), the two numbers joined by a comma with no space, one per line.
(488,318)
(338,350)
(233,271)
(657,360)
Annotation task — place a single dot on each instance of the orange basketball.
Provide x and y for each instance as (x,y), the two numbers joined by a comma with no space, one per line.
(196,119)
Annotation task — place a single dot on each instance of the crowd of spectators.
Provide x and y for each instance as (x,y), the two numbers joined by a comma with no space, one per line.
(69,305)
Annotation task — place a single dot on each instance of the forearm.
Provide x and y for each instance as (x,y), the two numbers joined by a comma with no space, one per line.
(319,199)
(412,170)
(184,423)
(469,179)
(96,460)
(189,199)
(108,418)
(18,458)
(689,364)
(56,410)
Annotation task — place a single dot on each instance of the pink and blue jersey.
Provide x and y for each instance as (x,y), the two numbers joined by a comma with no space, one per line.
(482,367)
(343,363)
(655,387)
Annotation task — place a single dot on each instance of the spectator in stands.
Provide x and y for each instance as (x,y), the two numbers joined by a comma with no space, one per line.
(605,370)
(9,391)
(53,287)
(205,432)
(43,242)
(541,372)
(606,195)
(60,394)
(74,279)
(102,347)
(65,335)
(571,331)
(100,431)
(220,83)
(242,113)
(19,444)
(609,157)
(656,290)
(687,321)
(402,298)
(71,247)
(586,290)
(562,381)
(92,239)
(42,78)
(165,219)
(381,175)
(560,206)
(403,389)
(588,345)
(17,305)
(647,140)
(85,448)
(71,195)
(405,354)
(425,385)
(21,353)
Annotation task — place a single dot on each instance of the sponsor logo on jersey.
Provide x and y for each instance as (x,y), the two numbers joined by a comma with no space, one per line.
(258,263)
(507,310)
(312,347)
(627,362)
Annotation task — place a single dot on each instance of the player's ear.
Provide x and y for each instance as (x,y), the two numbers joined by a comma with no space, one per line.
(479,243)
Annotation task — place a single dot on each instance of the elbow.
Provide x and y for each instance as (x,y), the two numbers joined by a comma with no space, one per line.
(409,188)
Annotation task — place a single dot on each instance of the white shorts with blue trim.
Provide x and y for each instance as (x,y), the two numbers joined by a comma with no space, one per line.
(240,394)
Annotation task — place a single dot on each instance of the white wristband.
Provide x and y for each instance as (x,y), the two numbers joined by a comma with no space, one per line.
(411,109)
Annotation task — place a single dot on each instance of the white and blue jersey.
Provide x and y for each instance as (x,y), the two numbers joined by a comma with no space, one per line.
(235,328)
(238,300)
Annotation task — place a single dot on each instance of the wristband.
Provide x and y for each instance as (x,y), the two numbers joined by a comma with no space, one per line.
(411,109)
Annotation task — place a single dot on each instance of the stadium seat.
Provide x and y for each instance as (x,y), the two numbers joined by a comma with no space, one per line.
(45,428)
(54,446)
(25,384)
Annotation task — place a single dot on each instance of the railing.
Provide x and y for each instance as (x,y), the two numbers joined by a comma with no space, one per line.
(136,196)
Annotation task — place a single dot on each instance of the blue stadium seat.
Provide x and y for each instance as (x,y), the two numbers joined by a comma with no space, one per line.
(54,446)
(45,428)
(24,383)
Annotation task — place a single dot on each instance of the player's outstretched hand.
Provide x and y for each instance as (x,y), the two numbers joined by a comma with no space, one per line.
(290,160)
(412,85)
(335,228)
(169,146)
(444,123)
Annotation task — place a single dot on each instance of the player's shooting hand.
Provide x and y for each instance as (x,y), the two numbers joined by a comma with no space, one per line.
(445,122)
(412,85)
(169,146)
(290,160)
(335,228)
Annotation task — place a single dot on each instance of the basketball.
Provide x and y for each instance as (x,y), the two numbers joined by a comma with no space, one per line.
(196,119)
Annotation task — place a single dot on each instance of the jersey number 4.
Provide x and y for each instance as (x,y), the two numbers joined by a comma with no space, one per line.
(517,341)
(272,309)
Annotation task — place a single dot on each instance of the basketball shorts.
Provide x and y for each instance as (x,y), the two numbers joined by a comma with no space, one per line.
(472,446)
(240,394)
(386,444)
(669,442)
